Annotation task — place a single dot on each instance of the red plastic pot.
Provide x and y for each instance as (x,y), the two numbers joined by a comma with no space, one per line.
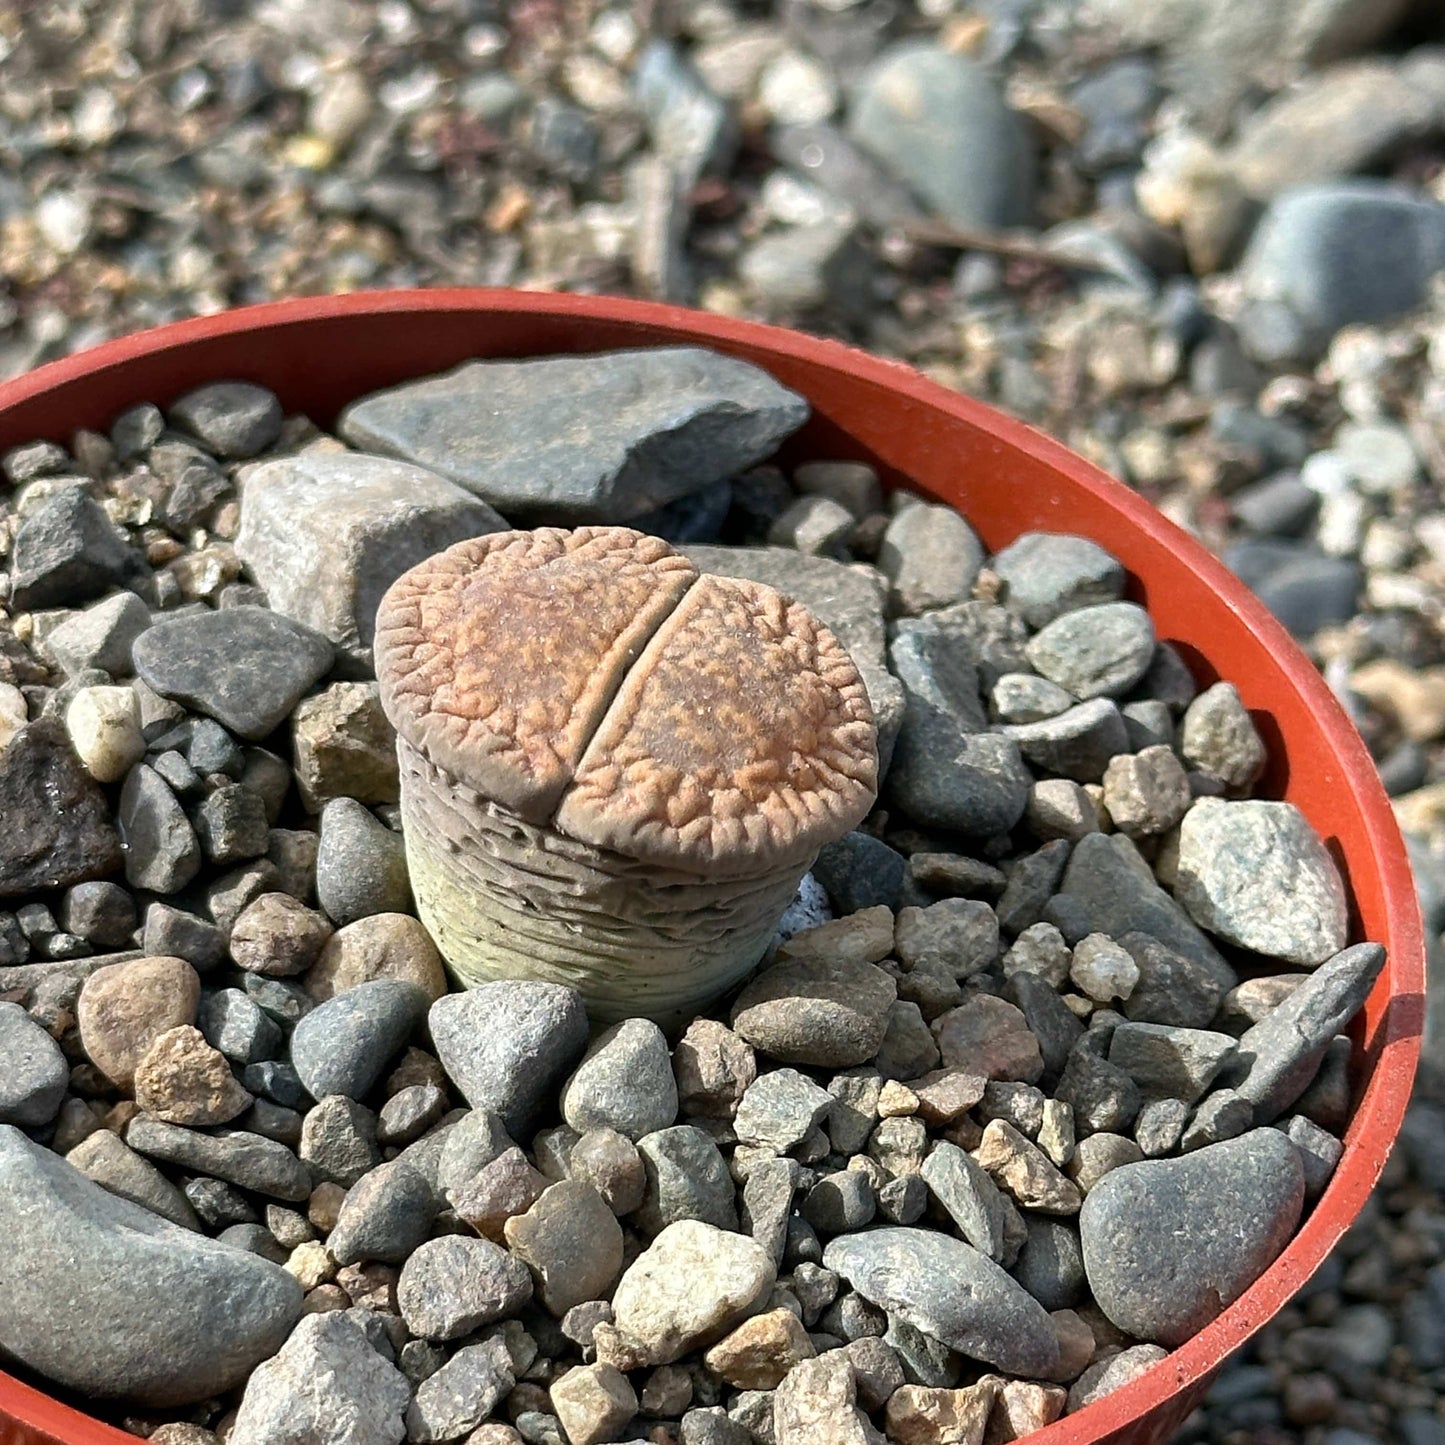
(318,354)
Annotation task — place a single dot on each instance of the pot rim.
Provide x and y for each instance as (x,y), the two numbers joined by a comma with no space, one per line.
(1375,1123)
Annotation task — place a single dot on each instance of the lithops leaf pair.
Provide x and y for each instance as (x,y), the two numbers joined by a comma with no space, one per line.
(615,770)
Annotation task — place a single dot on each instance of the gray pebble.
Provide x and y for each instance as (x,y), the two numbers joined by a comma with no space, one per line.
(624,1082)
(767,1202)
(232,1155)
(384,1216)
(100,913)
(162,853)
(1257,874)
(950,1291)
(232,418)
(1172,989)
(860,871)
(1050,1264)
(344,1045)
(1047,574)
(100,635)
(1170,1243)
(360,864)
(66,1316)
(33,1072)
(1319,1153)
(1159,1126)
(338,1141)
(1218,737)
(779,1110)
(456,1397)
(1280,1054)
(687,1178)
(238,1027)
(1173,1062)
(969,1197)
(1024,697)
(1100,651)
(824,1013)
(506,1045)
(454,1285)
(231,824)
(65,551)
(840,1203)
(217,1204)
(1076,744)
(931,557)
(1224,1114)
(119,1170)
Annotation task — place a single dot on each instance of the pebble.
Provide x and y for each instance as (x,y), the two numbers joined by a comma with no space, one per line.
(125,1007)
(860,871)
(183,1080)
(344,1045)
(103,724)
(57,822)
(931,558)
(816,1402)
(758,1354)
(237,1026)
(1280,1055)
(822,1014)
(1046,574)
(499,1189)
(949,1291)
(326,533)
(593,1403)
(624,1082)
(453,1285)
(327,1386)
(1103,969)
(1113,1373)
(668,402)
(386,1214)
(101,913)
(947,772)
(1171,1062)
(1146,793)
(67,1318)
(688,1287)
(459,1395)
(572,1243)
(1217,736)
(1256,874)
(935,121)
(988,1036)
(360,864)
(1170,1243)
(34,1075)
(230,824)
(382,945)
(232,1155)
(713,1068)
(344,747)
(1170,989)
(969,1197)
(229,418)
(162,852)
(780,1109)
(917,1413)
(65,551)
(1077,744)
(1301,275)
(506,1045)
(338,1140)
(247,667)
(1100,651)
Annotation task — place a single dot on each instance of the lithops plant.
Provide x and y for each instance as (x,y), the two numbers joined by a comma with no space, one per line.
(614,769)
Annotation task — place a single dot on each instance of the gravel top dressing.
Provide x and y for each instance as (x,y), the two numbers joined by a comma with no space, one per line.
(888,1014)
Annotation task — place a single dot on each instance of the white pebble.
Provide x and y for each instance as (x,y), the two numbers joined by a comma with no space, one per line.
(13,714)
(1103,969)
(105,730)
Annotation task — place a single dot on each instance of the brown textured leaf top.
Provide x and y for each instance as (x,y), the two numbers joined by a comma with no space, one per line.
(590,679)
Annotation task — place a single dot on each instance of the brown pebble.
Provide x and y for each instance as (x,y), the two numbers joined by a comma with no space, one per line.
(125,1007)
(183,1080)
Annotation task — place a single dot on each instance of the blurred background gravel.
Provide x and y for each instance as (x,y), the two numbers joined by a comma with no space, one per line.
(1198,240)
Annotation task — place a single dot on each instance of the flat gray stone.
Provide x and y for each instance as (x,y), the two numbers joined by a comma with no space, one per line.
(100,636)
(970,1198)
(104,1297)
(507,1045)
(1280,1055)
(231,418)
(1100,651)
(67,550)
(624,1082)
(326,533)
(574,439)
(328,1386)
(1174,1062)
(247,667)
(1169,1244)
(33,1072)
(1047,574)
(234,1155)
(1075,744)
(1256,874)
(948,771)
(951,1292)
(1172,988)
(1118,890)
(343,1045)
(779,1109)
(104,1159)
(462,1394)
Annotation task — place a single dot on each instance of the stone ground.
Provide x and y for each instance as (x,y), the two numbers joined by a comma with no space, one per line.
(1099,235)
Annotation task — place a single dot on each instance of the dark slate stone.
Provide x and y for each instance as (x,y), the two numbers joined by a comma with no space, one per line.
(860,871)
(582,439)
(1170,1243)
(57,829)
(246,667)
(66,551)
